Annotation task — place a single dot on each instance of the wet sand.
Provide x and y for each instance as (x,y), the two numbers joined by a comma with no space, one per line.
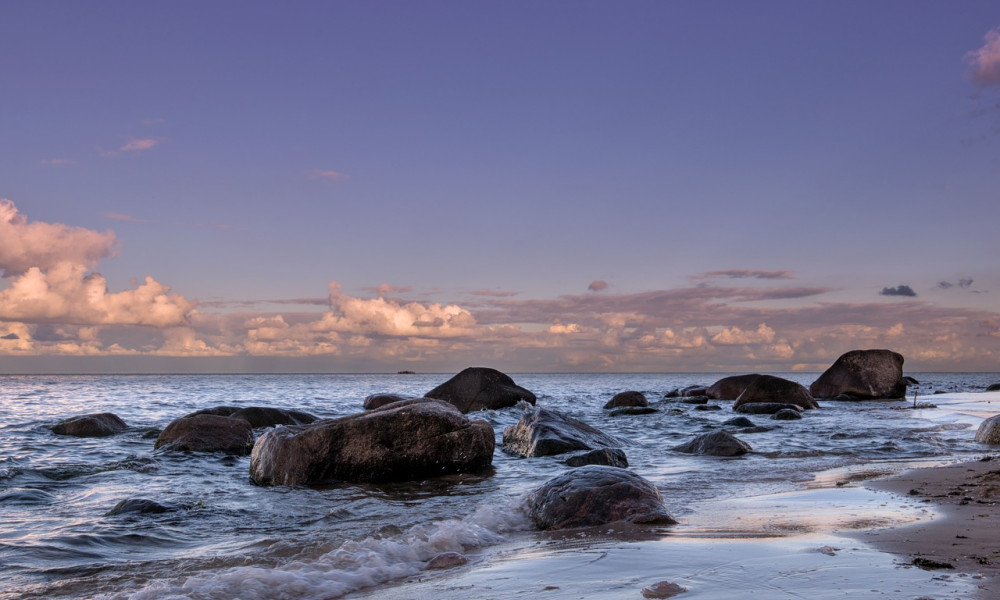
(966,535)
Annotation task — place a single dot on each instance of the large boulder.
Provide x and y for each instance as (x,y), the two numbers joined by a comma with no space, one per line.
(630,398)
(403,441)
(95,425)
(379,400)
(481,388)
(862,375)
(730,388)
(768,388)
(207,433)
(259,416)
(993,387)
(611,457)
(596,495)
(543,432)
(716,443)
(989,431)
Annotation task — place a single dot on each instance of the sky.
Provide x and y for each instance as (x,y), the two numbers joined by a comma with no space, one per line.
(717,186)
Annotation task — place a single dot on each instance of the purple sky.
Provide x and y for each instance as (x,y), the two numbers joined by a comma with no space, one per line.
(543,186)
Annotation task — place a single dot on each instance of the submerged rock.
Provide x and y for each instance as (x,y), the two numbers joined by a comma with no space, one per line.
(993,387)
(481,388)
(138,506)
(630,398)
(403,441)
(595,495)
(989,431)
(610,457)
(863,374)
(663,589)
(207,433)
(730,388)
(95,425)
(633,410)
(787,414)
(765,408)
(543,432)
(739,422)
(716,443)
(768,388)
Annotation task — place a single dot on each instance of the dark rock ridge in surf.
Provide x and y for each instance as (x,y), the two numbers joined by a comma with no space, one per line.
(716,443)
(595,495)
(544,432)
(862,375)
(259,416)
(765,408)
(481,388)
(207,433)
(768,388)
(94,425)
(402,441)
(138,506)
(630,398)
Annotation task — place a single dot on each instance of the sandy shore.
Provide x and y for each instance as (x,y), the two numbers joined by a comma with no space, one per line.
(967,534)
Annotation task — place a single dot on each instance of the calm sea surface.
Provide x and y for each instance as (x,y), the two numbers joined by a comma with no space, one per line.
(228,538)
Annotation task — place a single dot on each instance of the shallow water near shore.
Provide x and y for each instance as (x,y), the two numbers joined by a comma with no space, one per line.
(747,525)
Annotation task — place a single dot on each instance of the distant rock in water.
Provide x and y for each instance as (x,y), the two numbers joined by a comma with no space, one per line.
(768,388)
(739,422)
(403,441)
(787,414)
(481,388)
(989,431)
(630,398)
(716,443)
(544,432)
(138,506)
(95,425)
(862,375)
(610,457)
(379,400)
(207,433)
(259,416)
(765,408)
(730,388)
(633,410)
(595,495)
(994,387)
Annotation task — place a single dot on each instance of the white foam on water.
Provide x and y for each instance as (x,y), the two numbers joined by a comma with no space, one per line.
(354,565)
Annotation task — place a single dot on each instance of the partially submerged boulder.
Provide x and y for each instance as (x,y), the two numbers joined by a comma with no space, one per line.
(403,441)
(94,425)
(138,506)
(543,432)
(716,443)
(207,433)
(481,388)
(787,414)
(596,495)
(630,398)
(610,457)
(768,388)
(993,387)
(862,375)
(259,416)
(730,388)
(379,400)
(989,431)
(765,408)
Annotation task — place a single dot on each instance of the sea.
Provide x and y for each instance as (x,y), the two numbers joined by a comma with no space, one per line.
(762,525)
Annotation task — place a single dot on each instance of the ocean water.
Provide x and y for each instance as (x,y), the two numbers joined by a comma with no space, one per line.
(228,538)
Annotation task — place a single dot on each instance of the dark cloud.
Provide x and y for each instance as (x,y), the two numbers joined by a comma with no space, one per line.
(10,336)
(253,303)
(597,286)
(962,283)
(48,333)
(745,274)
(899,290)
(493,293)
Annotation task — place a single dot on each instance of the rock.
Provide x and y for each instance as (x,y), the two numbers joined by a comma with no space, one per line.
(716,443)
(379,400)
(765,408)
(768,388)
(994,387)
(910,381)
(95,425)
(480,388)
(739,422)
(630,398)
(259,416)
(207,433)
(610,457)
(865,374)
(544,432)
(138,506)
(787,414)
(694,390)
(730,388)
(595,495)
(633,410)
(707,407)
(694,400)
(663,589)
(404,441)
(219,411)
(447,560)
(989,431)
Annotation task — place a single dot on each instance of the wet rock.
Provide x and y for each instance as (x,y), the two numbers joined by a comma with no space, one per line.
(379,400)
(633,410)
(595,495)
(765,408)
(730,388)
(910,381)
(219,411)
(929,564)
(989,431)
(739,422)
(207,433)
(865,374)
(404,441)
(259,416)
(694,400)
(663,589)
(768,388)
(95,425)
(993,387)
(481,388)
(610,457)
(630,398)
(447,560)
(707,407)
(138,506)
(787,414)
(544,432)
(716,443)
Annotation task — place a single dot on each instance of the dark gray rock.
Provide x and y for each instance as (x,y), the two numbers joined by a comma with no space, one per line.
(765,408)
(138,506)
(787,414)
(95,425)
(610,457)
(730,388)
(865,374)
(207,433)
(910,381)
(739,422)
(481,388)
(632,410)
(379,400)
(694,400)
(259,416)
(768,388)
(993,387)
(544,432)
(989,431)
(404,441)
(707,407)
(595,495)
(630,398)
(716,443)
(219,411)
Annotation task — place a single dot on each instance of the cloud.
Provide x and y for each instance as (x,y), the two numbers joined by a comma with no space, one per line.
(384,289)
(378,316)
(123,217)
(744,274)
(598,286)
(899,290)
(326,174)
(493,293)
(57,162)
(734,336)
(962,283)
(140,144)
(985,61)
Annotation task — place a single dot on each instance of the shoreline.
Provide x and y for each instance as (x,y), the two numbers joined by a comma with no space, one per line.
(965,534)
